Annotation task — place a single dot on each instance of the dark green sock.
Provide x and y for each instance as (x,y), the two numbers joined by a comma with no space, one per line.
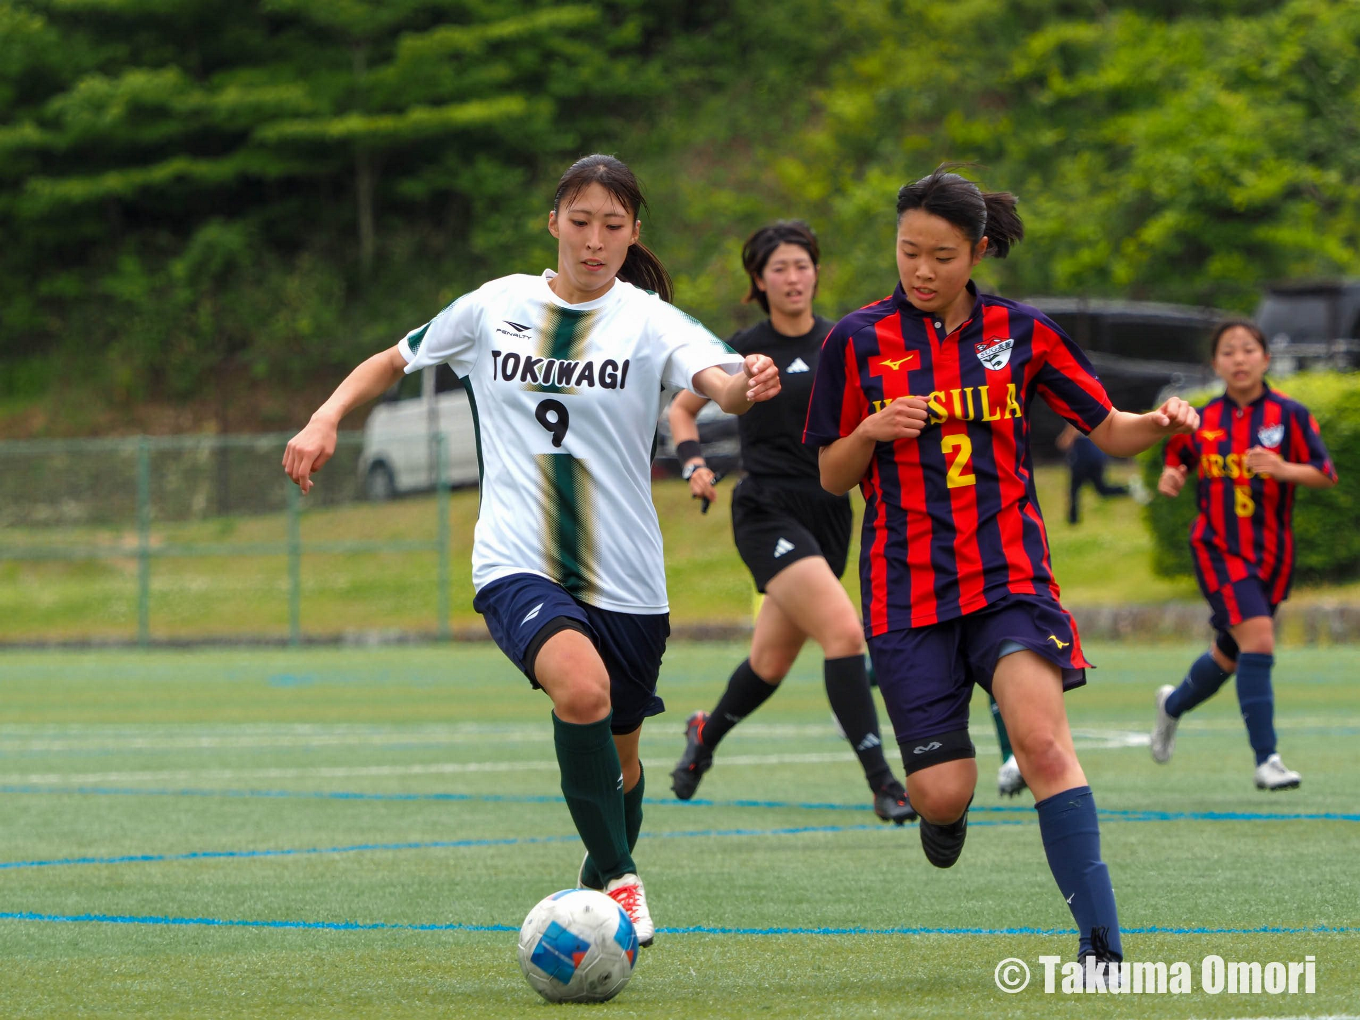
(592,783)
(632,823)
(1001,736)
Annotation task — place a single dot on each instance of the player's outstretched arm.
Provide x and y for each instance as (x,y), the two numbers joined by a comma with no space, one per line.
(845,461)
(758,380)
(1124,434)
(307,451)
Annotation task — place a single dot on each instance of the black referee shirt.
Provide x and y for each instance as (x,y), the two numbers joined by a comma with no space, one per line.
(772,432)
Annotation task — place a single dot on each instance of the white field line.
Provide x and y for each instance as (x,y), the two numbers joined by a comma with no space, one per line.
(288,738)
(1107,740)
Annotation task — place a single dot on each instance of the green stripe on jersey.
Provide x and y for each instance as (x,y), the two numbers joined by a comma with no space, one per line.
(563,334)
(416,337)
(568,534)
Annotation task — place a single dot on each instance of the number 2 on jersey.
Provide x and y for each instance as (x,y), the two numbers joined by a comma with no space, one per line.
(557,424)
(960,473)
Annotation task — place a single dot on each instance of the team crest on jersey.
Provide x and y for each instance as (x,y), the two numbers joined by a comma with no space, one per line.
(995,354)
(1271,435)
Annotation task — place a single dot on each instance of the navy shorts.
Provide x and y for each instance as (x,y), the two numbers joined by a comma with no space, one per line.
(523,610)
(1237,601)
(777,525)
(927,673)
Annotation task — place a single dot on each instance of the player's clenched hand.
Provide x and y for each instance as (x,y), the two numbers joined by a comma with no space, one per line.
(307,451)
(1176,415)
(1173,477)
(1263,461)
(762,377)
(904,418)
(701,483)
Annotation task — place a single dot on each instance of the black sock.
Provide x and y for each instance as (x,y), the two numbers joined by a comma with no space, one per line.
(847,688)
(745,693)
(592,783)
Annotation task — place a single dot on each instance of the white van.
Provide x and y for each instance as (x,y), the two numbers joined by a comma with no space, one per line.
(399,437)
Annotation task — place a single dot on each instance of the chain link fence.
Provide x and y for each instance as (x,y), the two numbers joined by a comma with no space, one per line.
(141,502)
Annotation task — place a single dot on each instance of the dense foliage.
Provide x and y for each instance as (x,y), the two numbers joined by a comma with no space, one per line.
(1327,543)
(193,190)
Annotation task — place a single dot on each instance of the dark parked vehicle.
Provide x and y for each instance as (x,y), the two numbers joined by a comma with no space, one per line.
(1140,350)
(1312,324)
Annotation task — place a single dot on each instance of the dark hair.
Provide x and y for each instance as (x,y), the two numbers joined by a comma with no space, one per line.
(756,252)
(640,266)
(1229,324)
(978,213)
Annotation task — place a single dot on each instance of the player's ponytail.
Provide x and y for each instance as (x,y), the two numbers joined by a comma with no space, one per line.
(978,214)
(640,266)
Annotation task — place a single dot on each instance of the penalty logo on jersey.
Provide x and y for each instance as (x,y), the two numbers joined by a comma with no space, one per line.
(1271,435)
(995,354)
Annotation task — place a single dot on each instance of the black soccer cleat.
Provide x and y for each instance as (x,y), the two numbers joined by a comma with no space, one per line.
(696,760)
(944,843)
(891,804)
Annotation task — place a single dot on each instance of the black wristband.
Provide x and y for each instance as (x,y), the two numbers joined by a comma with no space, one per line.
(688,449)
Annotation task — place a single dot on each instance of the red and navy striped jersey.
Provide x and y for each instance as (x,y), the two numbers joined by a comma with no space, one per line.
(1244,524)
(951,519)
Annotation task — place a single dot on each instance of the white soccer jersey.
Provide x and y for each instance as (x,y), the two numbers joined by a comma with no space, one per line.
(566,399)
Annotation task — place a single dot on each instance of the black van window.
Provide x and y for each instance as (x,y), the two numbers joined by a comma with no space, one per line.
(1156,340)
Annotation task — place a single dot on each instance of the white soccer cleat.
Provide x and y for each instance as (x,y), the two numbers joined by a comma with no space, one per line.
(1164,730)
(1009,781)
(1272,775)
(627,892)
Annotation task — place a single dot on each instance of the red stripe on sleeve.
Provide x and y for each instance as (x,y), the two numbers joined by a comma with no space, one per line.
(854,405)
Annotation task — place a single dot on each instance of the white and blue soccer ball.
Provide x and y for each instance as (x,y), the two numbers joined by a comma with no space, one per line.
(577,945)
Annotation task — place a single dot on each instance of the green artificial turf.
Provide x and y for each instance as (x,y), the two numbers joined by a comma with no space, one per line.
(357,832)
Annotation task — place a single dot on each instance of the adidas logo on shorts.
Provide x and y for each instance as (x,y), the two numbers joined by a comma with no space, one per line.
(781,547)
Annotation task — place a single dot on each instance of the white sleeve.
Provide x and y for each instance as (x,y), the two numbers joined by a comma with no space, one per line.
(450,336)
(688,347)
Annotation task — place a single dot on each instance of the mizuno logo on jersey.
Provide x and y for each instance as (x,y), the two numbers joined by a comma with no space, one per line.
(1271,435)
(880,366)
(797,365)
(510,366)
(1211,435)
(781,547)
(995,354)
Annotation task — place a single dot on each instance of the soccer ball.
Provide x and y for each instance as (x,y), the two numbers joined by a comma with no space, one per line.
(577,946)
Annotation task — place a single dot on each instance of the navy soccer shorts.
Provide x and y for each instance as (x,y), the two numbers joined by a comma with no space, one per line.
(1237,601)
(927,673)
(523,610)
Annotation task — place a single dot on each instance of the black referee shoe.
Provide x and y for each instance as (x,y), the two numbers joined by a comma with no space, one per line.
(944,843)
(696,760)
(891,804)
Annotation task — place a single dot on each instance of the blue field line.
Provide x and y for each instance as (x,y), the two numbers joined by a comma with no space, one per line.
(219,922)
(1027,811)
(446,844)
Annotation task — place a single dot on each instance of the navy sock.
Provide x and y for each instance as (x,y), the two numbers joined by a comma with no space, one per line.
(1257,701)
(745,693)
(1071,834)
(1200,684)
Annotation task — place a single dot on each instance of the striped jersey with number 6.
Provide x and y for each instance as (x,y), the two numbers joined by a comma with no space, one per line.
(565,400)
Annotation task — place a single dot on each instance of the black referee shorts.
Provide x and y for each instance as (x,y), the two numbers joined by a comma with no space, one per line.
(776,524)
